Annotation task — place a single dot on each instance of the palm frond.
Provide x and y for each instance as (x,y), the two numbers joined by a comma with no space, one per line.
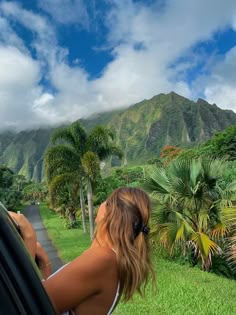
(100,141)
(60,159)
(206,246)
(180,235)
(156,181)
(90,163)
(184,220)
(162,214)
(229,192)
(59,188)
(228,216)
(219,231)
(63,135)
(195,173)
(61,182)
(80,137)
(167,234)
(203,219)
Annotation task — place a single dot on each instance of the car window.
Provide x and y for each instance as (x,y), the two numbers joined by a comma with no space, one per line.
(20,280)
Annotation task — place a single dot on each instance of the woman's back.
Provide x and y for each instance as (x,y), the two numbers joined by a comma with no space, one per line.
(105,301)
(92,282)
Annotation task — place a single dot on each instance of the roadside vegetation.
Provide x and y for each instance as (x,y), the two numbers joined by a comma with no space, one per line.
(16,191)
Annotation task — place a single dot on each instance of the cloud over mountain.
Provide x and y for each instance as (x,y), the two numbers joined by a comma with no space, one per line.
(147,47)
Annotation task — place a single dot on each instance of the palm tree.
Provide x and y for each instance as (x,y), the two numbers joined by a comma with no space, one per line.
(193,206)
(77,159)
(90,163)
(63,166)
(100,147)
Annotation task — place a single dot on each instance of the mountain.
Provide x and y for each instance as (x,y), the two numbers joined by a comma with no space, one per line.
(141,131)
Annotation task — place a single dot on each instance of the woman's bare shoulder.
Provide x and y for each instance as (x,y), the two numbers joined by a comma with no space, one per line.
(82,277)
(103,255)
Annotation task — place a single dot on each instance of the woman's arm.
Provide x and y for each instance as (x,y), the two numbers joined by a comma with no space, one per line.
(30,239)
(43,261)
(27,232)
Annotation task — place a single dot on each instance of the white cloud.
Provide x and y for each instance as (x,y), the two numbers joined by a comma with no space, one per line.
(19,76)
(67,11)
(8,36)
(220,85)
(44,38)
(16,68)
(163,36)
(146,42)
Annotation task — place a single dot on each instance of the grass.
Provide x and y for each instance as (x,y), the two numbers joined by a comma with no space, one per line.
(184,290)
(180,289)
(69,242)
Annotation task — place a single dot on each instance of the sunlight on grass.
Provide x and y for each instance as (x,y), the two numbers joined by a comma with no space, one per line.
(180,289)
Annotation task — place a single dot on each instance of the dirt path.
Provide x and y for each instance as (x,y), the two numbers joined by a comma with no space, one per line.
(33,215)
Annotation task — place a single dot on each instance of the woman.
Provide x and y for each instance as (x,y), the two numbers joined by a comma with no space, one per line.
(117,262)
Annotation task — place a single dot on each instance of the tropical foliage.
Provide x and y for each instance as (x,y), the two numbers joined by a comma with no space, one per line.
(35,192)
(223,143)
(10,187)
(73,163)
(194,211)
(63,168)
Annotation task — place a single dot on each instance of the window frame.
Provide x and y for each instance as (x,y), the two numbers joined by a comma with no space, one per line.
(19,272)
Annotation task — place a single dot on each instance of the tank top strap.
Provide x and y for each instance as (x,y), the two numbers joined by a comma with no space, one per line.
(114,250)
(117,292)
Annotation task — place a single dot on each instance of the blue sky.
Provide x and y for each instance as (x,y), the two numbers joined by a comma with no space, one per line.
(61,60)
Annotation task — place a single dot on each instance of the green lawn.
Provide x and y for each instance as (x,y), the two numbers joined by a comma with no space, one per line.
(180,289)
(70,243)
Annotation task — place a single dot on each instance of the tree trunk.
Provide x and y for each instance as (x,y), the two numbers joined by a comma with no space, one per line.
(194,257)
(90,208)
(72,215)
(82,205)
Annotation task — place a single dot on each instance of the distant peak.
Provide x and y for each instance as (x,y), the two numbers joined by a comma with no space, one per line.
(174,94)
(171,94)
(201,101)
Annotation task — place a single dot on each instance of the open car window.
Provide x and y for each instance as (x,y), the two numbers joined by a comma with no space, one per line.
(21,289)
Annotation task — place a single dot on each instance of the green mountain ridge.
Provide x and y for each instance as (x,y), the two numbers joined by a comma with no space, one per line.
(141,131)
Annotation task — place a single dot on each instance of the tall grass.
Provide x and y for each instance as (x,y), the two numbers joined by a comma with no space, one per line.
(181,289)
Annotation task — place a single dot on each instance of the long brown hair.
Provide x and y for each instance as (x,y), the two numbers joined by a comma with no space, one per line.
(127,215)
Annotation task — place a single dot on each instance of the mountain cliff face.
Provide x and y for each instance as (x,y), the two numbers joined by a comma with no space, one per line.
(23,152)
(141,131)
(144,128)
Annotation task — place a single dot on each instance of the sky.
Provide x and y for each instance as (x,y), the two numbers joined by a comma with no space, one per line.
(61,60)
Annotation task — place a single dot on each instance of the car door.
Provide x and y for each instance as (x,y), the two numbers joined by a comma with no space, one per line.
(21,289)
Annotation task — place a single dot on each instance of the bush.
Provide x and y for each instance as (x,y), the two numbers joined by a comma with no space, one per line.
(72,224)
